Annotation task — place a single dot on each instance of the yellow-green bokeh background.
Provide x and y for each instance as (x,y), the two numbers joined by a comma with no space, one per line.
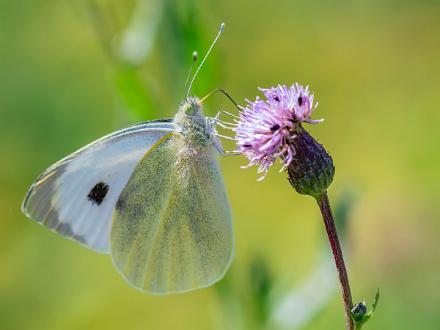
(375,69)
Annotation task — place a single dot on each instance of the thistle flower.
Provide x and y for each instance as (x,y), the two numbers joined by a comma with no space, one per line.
(267,128)
(271,128)
(296,98)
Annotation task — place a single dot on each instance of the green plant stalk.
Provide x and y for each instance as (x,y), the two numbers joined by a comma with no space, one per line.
(332,234)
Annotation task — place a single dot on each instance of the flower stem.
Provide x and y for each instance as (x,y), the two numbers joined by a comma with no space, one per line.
(330,227)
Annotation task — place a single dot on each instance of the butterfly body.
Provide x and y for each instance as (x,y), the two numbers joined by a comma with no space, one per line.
(151,195)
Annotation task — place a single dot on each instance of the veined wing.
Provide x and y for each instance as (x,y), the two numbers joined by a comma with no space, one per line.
(172,227)
(76,196)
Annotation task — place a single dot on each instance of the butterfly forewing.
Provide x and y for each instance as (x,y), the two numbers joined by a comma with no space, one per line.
(76,197)
(171,228)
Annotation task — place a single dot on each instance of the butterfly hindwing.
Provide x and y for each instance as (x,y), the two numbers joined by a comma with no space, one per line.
(172,227)
(76,197)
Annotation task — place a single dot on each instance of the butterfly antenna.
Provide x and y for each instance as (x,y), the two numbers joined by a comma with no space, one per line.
(222,27)
(223,92)
(195,56)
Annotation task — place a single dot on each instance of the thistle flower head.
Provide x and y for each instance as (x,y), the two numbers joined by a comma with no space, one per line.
(296,98)
(267,127)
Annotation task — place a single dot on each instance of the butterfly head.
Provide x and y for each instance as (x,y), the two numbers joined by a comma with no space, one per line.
(191,106)
(192,124)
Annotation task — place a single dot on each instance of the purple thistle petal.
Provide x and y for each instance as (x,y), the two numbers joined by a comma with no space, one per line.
(265,129)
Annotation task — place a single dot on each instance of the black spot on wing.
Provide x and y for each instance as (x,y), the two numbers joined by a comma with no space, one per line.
(98,193)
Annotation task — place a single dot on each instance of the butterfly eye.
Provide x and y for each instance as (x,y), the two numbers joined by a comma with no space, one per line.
(192,107)
(188,109)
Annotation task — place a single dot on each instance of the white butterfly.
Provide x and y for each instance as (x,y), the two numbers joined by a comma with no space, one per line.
(151,195)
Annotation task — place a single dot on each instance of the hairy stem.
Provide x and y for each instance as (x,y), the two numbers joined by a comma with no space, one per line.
(330,227)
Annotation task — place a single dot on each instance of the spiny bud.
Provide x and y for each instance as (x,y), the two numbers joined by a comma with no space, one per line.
(311,169)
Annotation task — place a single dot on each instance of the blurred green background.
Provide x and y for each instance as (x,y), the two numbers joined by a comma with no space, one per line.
(72,71)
